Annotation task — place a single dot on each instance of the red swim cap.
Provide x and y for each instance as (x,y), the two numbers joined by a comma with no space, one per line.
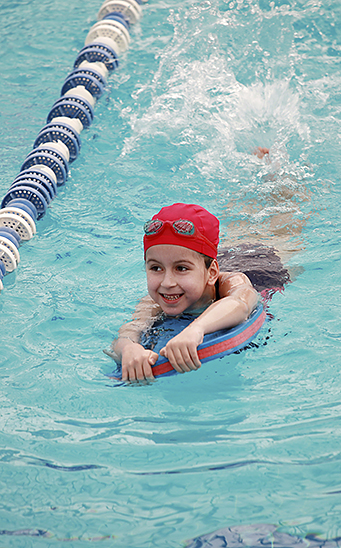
(206,234)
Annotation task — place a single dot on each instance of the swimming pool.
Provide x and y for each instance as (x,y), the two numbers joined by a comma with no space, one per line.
(253,438)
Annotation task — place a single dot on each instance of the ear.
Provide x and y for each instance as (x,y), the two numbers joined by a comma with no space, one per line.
(213,272)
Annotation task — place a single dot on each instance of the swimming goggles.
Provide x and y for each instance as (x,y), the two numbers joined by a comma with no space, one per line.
(182,227)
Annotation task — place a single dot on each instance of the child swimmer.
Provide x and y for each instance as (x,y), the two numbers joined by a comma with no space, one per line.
(180,247)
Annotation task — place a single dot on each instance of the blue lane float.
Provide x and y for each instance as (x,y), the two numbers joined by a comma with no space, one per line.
(58,143)
(60,131)
(98,53)
(75,103)
(45,177)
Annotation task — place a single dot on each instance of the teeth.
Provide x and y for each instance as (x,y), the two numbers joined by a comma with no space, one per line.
(171,297)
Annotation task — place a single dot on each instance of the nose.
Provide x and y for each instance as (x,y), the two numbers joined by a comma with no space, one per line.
(169,279)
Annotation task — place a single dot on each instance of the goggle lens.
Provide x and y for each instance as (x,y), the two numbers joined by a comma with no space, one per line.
(184,227)
(152,227)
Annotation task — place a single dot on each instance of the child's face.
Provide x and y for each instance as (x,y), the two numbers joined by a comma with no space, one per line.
(178,279)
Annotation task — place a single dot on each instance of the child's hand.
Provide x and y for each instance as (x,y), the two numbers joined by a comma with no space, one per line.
(137,362)
(181,351)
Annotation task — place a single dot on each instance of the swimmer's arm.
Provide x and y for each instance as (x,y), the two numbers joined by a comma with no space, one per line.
(136,361)
(145,311)
(237,300)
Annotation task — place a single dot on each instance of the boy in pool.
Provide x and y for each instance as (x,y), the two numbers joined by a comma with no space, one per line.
(180,246)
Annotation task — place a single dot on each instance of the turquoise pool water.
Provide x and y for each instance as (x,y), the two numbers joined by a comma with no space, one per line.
(254,438)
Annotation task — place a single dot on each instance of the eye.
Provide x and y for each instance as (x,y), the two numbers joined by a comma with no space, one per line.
(182,268)
(155,268)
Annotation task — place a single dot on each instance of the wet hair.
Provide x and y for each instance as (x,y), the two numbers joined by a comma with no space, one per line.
(208,260)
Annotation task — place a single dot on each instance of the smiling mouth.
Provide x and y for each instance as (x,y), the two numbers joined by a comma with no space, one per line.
(171,298)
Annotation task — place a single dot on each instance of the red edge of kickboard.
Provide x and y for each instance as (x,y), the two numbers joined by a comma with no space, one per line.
(210,352)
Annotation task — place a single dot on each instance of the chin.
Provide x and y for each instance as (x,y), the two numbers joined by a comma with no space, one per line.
(172,310)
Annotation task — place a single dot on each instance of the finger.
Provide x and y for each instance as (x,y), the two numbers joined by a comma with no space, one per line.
(187,358)
(128,375)
(176,359)
(190,357)
(153,356)
(140,370)
(189,361)
(194,357)
(147,372)
(125,375)
(175,364)
(163,352)
(181,363)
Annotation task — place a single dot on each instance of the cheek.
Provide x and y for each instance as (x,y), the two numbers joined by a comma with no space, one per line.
(193,286)
(152,281)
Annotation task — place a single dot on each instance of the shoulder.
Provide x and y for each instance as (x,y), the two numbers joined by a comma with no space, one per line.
(238,286)
(233,279)
(232,284)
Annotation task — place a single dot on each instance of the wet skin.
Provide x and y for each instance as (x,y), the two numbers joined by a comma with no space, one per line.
(178,280)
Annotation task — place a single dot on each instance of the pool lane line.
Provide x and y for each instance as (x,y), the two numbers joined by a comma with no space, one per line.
(58,143)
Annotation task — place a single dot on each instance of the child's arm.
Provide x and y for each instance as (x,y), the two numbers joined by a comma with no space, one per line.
(136,361)
(237,300)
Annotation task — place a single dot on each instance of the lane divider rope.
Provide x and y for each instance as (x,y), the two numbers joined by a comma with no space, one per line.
(58,143)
